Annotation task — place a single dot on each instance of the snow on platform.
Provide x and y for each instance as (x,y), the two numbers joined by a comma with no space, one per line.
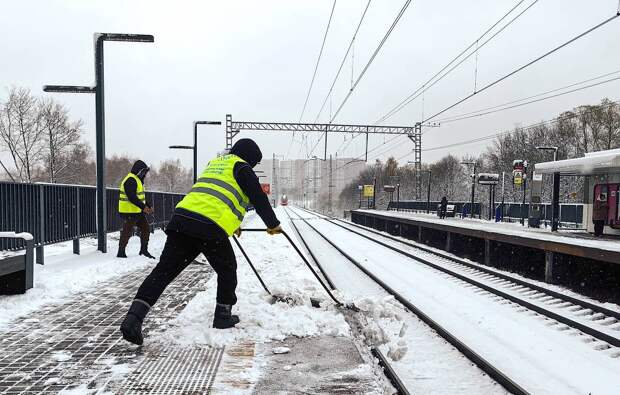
(62,336)
(515,230)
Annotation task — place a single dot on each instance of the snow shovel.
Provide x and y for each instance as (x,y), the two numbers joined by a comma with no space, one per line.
(315,303)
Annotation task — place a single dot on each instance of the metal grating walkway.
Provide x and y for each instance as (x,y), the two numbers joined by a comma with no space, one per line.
(77,344)
(185,371)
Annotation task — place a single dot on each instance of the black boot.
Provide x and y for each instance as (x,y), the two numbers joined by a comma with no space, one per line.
(222,318)
(121,252)
(144,251)
(132,324)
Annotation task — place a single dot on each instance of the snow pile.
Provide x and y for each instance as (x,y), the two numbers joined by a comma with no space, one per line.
(65,274)
(285,275)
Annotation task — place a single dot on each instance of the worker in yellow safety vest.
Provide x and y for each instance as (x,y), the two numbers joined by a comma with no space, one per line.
(202,222)
(132,206)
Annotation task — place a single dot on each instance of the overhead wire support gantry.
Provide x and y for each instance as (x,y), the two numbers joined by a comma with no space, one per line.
(414,133)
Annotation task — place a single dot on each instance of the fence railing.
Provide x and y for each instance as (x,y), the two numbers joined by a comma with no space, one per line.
(54,213)
(412,205)
(571,214)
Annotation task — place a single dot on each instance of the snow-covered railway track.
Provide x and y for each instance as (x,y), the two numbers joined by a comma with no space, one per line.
(495,373)
(565,325)
(597,321)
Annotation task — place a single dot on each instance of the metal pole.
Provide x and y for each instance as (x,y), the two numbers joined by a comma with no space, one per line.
(397,196)
(503,194)
(273,179)
(555,197)
(366,154)
(329,209)
(428,194)
(523,202)
(102,225)
(374,193)
(195,152)
(473,191)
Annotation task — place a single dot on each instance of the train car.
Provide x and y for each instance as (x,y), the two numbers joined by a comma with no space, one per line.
(601,171)
(284,200)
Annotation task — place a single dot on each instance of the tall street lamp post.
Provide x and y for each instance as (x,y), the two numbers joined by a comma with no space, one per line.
(196,123)
(98,90)
(555,194)
(473,186)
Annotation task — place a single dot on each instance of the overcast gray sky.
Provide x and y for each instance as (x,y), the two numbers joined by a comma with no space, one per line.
(254,59)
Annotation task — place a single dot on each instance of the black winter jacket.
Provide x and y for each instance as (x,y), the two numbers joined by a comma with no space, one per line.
(196,225)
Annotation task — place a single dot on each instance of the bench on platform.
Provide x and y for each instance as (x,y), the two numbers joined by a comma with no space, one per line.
(17,272)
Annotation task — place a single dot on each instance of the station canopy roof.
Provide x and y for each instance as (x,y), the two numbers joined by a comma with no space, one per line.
(599,162)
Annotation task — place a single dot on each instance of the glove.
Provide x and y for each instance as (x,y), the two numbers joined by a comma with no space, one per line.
(147,210)
(237,232)
(274,231)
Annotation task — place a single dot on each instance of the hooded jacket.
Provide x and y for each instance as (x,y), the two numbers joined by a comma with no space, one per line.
(195,225)
(140,169)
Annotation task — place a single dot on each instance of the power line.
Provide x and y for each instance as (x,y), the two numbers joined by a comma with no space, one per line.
(482,113)
(372,58)
(433,81)
(603,23)
(344,58)
(495,135)
(316,67)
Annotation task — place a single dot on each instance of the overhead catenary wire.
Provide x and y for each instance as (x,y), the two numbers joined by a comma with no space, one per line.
(316,67)
(499,106)
(344,58)
(318,60)
(434,80)
(510,107)
(363,72)
(504,133)
(372,58)
(521,68)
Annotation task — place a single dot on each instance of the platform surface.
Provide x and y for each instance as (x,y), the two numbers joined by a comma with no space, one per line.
(578,243)
(73,345)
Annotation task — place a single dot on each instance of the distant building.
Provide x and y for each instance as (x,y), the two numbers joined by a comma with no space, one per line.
(310,177)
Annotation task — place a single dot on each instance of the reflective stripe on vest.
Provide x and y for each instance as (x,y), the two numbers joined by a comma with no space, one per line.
(124,205)
(217,196)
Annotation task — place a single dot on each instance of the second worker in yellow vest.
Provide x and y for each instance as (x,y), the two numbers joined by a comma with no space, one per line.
(132,207)
(203,221)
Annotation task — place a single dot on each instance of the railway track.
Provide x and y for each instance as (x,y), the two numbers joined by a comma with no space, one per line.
(493,372)
(602,324)
(594,325)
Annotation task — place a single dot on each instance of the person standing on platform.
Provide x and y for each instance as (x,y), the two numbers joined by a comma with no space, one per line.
(443,207)
(202,223)
(132,206)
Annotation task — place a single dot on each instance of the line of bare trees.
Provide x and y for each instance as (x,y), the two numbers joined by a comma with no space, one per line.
(39,142)
(584,129)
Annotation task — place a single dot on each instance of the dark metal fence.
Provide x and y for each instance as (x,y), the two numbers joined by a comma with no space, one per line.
(571,215)
(55,212)
(411,205)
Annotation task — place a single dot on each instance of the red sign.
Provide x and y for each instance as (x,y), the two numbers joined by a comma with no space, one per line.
(266,188)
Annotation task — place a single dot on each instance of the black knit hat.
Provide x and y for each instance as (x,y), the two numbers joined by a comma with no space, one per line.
(247,150)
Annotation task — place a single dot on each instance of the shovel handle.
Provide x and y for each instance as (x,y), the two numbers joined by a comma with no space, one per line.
(303,258)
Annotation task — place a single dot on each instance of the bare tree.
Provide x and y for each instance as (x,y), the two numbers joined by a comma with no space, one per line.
(173,177)
(21,133)
(61,136)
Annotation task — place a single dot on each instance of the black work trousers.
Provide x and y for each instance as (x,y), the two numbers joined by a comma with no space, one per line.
(131,220)
(180,250)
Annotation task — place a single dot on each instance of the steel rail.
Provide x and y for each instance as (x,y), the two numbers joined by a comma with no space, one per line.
(476,358)
(555,294)
(541,310)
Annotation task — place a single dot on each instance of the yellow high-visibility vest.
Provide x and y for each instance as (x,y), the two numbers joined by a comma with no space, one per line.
(124,205)
(217,196)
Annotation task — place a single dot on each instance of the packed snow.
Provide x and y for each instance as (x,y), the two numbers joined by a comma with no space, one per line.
(65,275)
(513,229)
